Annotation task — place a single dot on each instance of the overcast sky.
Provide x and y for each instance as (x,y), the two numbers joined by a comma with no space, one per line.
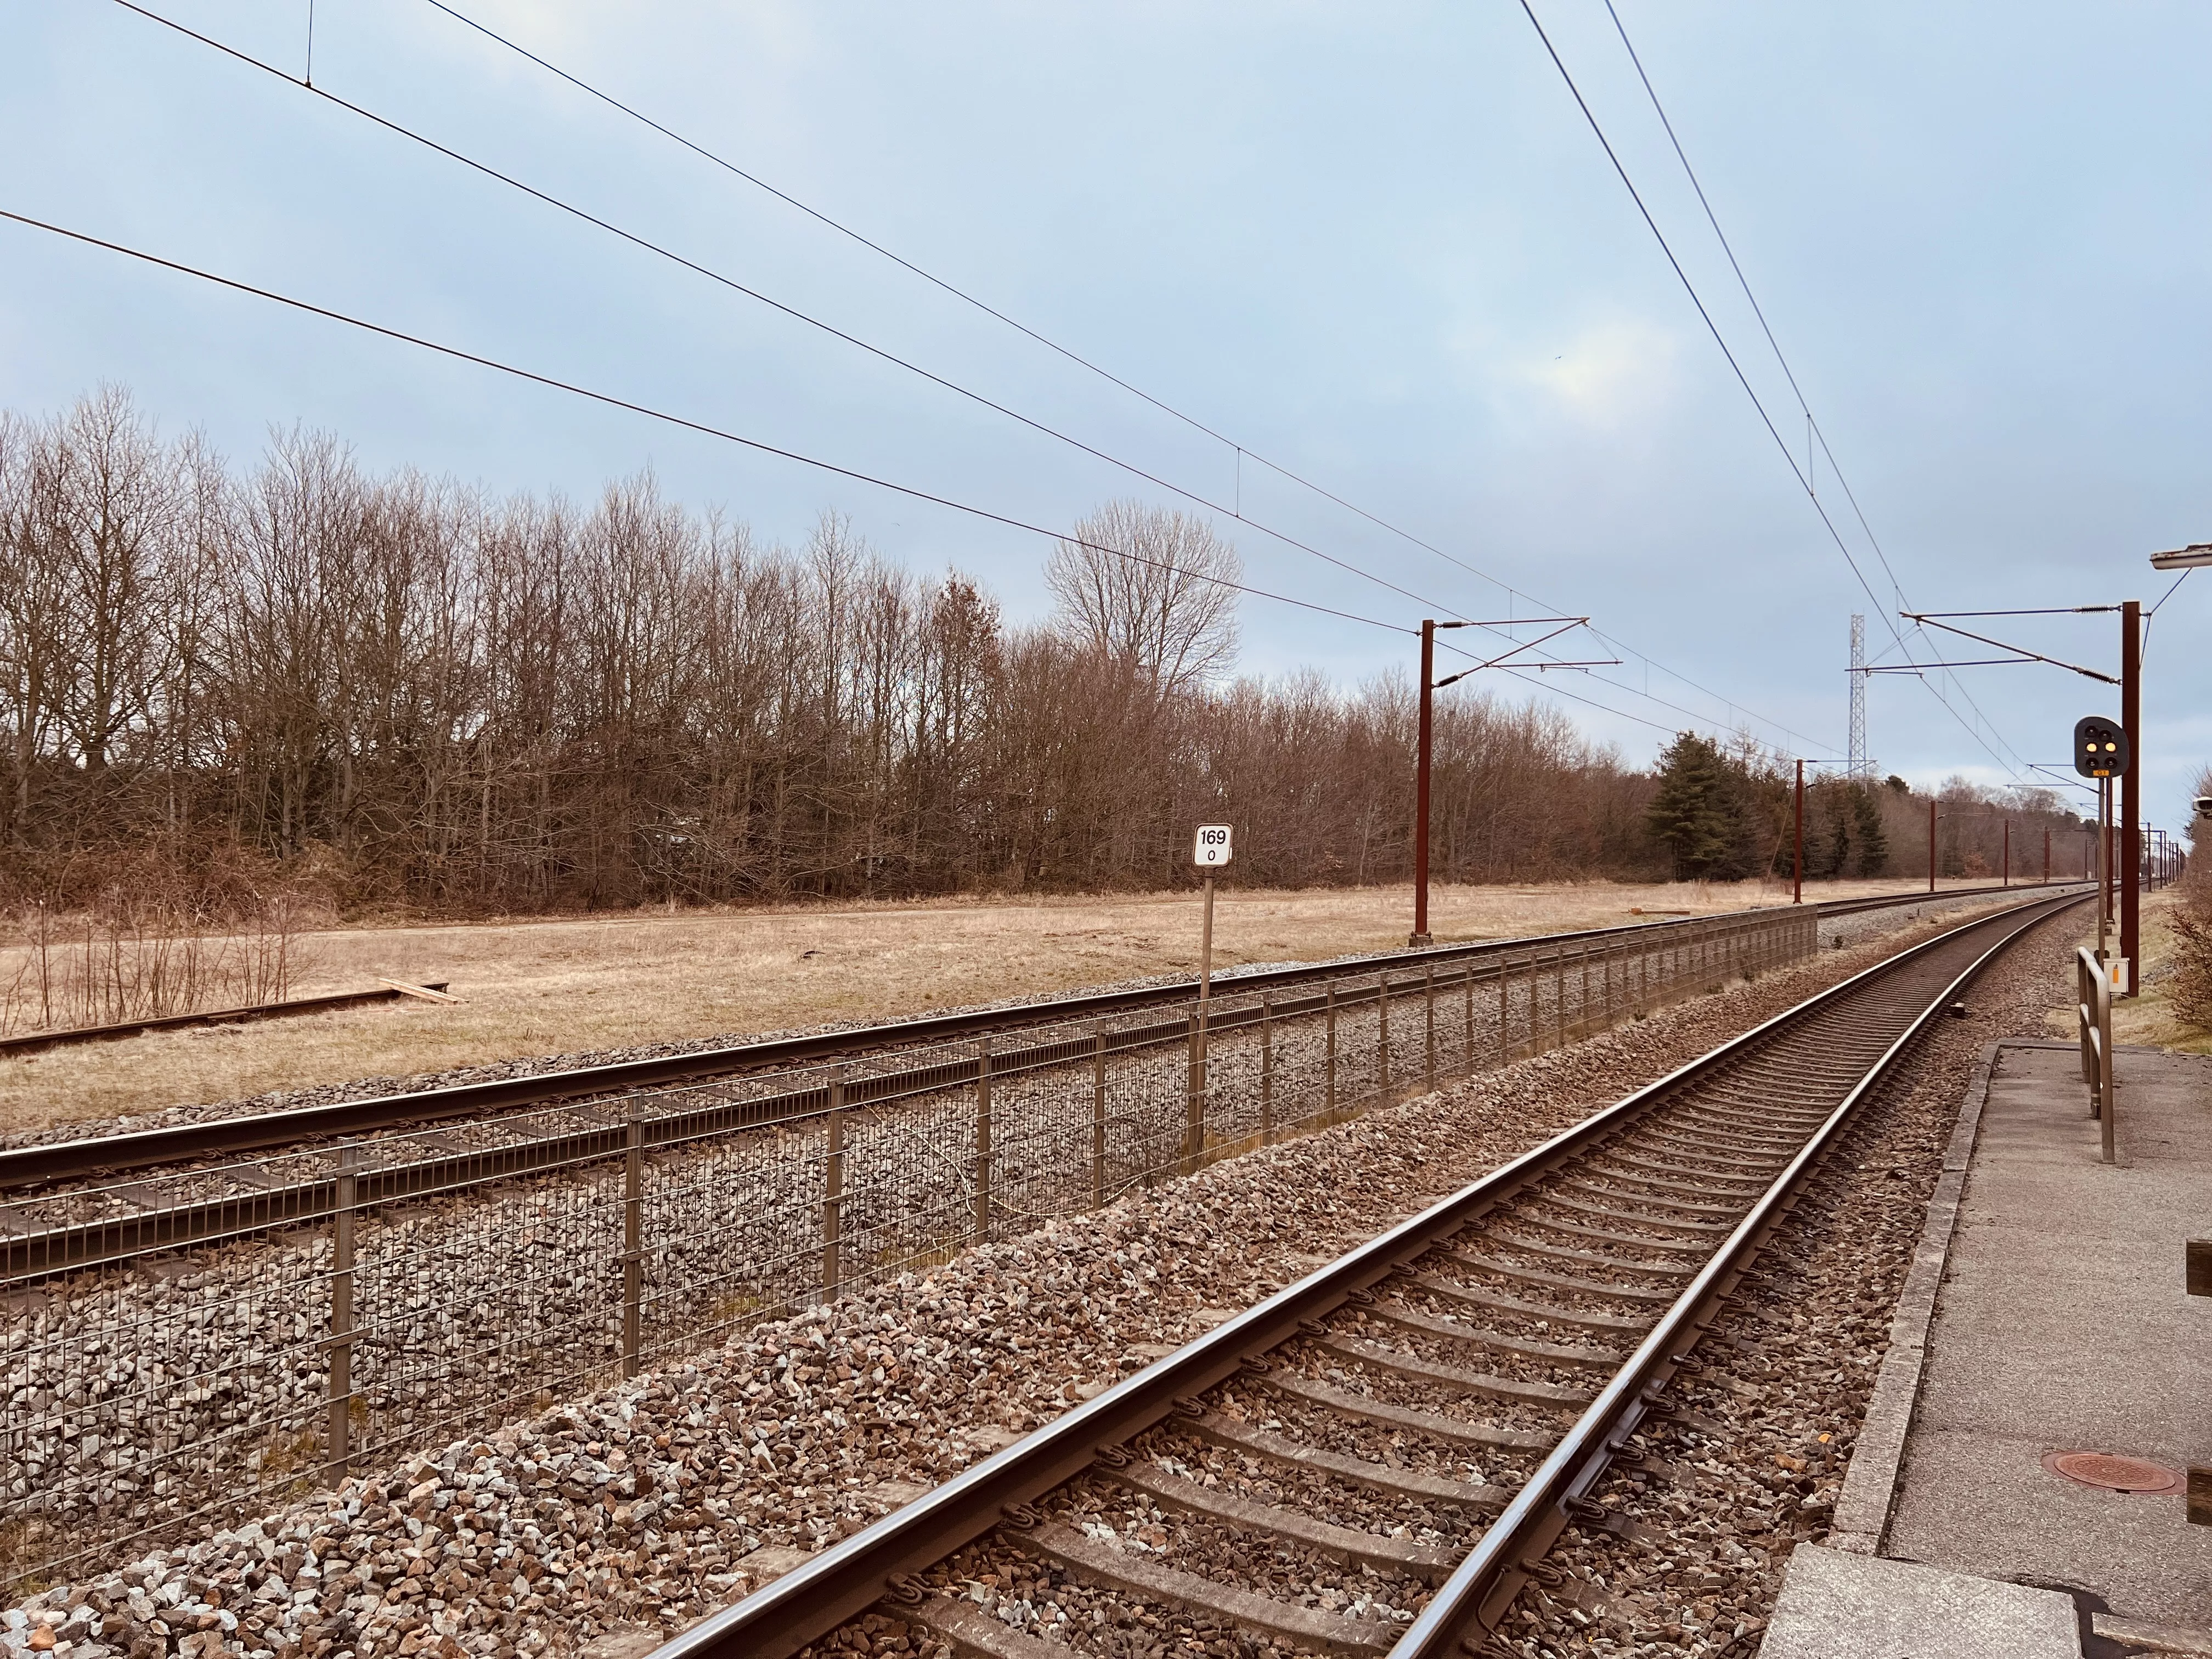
(1378,245)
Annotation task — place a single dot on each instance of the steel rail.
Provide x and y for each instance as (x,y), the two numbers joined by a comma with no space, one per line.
(62,1161)
(1484,1585)
(38,1043)
(841,1582)
(29,1254)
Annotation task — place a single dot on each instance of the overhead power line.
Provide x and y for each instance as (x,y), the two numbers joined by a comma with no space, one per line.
(548,199)
(1788,374)
(612,401)
(967,297)
(1788,456)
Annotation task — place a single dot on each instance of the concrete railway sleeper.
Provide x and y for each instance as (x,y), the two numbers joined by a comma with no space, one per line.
(1374,1459)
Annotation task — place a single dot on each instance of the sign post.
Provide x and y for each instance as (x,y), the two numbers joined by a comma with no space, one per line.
(1213,849)
(1210,850)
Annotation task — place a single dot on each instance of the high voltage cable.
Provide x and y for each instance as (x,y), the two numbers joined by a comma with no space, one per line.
(402,130)
(1193,422)
(611,400)
(1788,374)
(1789,457)
(684,423)
(792,311)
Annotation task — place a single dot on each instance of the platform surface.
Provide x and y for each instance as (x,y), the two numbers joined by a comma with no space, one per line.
(1837,1605)
(2063,1325)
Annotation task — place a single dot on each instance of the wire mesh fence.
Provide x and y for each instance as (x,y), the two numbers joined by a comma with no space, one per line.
(191,1350)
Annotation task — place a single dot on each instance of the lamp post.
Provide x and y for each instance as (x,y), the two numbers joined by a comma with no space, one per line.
(2132,792)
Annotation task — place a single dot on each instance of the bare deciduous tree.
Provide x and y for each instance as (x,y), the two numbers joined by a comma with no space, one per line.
(1151,586)
(417,695)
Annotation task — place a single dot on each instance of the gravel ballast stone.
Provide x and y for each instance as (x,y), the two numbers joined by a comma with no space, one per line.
(643,1506)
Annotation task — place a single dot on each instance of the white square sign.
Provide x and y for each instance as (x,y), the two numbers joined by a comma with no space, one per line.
(1213,847)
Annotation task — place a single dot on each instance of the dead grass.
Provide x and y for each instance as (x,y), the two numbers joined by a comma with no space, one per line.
(2147,1020)
(567,986)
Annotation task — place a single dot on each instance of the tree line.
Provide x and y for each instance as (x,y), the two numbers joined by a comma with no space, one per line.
(410,693)
(1725,812)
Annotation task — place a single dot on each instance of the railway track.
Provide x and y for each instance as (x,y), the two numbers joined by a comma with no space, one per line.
(1374,1459)
(43,1165)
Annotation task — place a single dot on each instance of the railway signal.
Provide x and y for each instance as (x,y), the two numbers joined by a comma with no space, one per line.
(2102,751)
(2100,747)
(2128,856)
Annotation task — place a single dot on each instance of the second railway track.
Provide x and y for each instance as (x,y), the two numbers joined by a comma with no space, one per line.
(46,1163)
(1374,1459)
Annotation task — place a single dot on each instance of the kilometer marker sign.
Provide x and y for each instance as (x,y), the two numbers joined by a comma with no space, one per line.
(1212,849)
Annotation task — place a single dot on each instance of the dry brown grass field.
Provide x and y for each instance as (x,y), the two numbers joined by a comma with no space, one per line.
(568,985)
(2148,1019)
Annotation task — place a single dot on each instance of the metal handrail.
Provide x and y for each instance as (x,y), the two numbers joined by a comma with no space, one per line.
(2092,984)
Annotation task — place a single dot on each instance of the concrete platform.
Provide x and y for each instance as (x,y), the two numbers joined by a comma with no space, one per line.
(2062,1323)
(1835,1605)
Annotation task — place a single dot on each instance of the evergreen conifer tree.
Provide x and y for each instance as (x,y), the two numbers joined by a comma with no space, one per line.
(1693,810)
(1873,844)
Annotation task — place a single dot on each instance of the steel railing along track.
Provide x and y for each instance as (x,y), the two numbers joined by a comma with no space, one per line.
(65,1161)
(1812,1066)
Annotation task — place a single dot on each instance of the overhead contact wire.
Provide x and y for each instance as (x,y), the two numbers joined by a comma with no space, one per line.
(792,311)
(1086,363)
(1781,359)
(1789,457)
(611,400)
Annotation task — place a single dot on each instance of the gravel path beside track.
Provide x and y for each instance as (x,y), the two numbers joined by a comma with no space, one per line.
(638,1505)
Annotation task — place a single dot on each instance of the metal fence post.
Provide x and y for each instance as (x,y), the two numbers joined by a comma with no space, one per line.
(338,1434)
(1382,1032)
(983,1140)
(1467,1019)
(1583,1010)
(1194,1125)
(1429,1019)
(633,1256)
(833,1187)
(1559,995)
(2107,1064)
(1267,1068)
(1504,1012)
(1329,1080)
(1098,1114)
(2093,988)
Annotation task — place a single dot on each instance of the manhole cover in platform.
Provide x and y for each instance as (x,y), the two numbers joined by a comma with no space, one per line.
(2109,1471)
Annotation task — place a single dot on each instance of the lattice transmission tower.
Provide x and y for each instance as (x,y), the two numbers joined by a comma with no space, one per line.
(1860,767)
